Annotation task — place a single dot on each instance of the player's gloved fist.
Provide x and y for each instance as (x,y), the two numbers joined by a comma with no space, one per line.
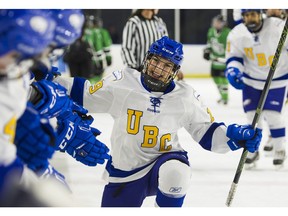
(71,114)
(42,71)
(243,136)
(49,98)
(235,77)
(206,54)
(78,139)
(35,139)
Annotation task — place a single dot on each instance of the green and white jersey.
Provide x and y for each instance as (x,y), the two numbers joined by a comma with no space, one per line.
(216,41)
(100,41)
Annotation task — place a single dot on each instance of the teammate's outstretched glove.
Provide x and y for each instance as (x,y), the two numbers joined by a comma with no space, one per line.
(35,139)
(235,77)
(78,139)
(41,71)
(49,98)
(243,136)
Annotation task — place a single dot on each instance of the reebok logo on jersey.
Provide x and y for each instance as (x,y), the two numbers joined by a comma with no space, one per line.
(175,189)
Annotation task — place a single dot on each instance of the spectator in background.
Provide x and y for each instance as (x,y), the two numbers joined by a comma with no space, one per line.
(100,43)
(142,29)
(215,52)
(114,34)
(78,57)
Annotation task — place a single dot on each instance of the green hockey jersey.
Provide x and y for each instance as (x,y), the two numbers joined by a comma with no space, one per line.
(216,42)
(100,43)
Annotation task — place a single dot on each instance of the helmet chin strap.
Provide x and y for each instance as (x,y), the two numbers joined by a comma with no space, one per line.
(153,84)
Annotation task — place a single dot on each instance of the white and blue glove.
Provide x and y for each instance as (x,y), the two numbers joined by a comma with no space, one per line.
(35,139)
(78,139)
(243,136)
(235,77)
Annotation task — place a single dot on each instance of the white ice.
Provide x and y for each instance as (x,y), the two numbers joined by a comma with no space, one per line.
(212,173)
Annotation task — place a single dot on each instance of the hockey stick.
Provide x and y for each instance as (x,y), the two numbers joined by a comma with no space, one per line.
(258,111)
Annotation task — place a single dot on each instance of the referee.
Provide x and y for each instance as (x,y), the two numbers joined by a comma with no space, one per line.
(142,29)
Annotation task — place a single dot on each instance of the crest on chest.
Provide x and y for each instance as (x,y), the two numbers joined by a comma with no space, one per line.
(155,103)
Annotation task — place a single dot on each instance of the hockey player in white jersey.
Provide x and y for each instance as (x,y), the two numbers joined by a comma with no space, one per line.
(78,139)
(148,109)
(25,34)
(251,46)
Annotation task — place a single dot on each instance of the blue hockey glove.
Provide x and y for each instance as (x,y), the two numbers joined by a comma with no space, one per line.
(35,139)
(243,136)
(49,98)
(78,139)
(41,71)
(235,77)
(77,113)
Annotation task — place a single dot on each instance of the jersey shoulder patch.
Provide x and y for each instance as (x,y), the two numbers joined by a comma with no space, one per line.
(118,74)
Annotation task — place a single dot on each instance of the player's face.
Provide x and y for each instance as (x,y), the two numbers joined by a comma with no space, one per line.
(217,24)
(252,19)
(159,68)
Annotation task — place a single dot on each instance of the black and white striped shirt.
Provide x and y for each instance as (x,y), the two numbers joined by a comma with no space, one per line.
(138,34)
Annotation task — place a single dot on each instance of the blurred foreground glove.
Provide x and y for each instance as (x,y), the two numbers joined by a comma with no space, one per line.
(243,136)
(78,139)
(35,139)
(235,77)
(49,98)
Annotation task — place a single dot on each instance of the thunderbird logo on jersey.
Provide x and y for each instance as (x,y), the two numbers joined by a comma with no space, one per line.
(155,103)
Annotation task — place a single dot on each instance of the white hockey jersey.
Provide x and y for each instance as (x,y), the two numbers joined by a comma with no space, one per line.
(13,102)
(253,53)
(146,123)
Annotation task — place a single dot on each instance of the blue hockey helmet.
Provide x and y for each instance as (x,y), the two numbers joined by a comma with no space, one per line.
(161,63)
(248,10)
(168,49)
(27,32)
(69,25)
